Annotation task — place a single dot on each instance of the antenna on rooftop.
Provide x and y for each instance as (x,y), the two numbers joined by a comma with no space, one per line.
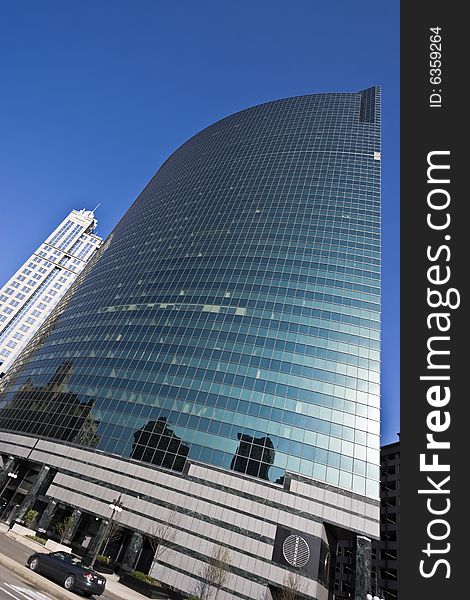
(99,204)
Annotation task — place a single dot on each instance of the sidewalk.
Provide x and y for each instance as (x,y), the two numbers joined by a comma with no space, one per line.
(13,553)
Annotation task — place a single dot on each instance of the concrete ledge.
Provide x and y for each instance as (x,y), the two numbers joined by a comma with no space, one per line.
(38,581)
(21,530)
(55,547)
(36,546)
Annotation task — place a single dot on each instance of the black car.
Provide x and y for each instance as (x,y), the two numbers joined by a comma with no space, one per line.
(68,570)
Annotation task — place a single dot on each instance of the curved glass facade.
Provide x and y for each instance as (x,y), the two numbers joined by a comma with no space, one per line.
(233,315)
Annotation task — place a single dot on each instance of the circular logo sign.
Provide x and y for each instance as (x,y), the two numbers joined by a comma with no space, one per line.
(296,551)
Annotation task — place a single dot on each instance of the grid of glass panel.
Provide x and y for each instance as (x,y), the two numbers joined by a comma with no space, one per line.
(233,315)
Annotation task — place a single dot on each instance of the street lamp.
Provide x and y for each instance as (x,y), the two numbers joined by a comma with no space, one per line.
(11,475)
(116,507)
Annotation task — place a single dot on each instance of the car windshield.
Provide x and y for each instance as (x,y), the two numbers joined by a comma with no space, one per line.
(70,558)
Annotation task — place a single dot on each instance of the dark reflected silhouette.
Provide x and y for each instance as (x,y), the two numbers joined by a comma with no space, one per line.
(52,411)
(254,456)
(157,444)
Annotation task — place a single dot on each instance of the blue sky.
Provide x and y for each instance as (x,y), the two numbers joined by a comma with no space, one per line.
(96,95)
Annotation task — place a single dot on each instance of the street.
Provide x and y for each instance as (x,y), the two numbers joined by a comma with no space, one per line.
(12,586)
(14,549)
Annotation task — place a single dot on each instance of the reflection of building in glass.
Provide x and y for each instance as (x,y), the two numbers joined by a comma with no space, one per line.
(29,297)
(156,443)
(254,456)
(239,298)
(52,410)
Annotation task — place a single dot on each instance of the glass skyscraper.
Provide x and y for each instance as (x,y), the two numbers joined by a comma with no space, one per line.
(232,318)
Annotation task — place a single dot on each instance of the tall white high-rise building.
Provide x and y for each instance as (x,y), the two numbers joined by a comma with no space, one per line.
(28,298)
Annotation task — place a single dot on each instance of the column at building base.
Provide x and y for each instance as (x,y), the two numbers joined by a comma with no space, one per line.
(363,567)
(72,525)
(133,551)
(47,516)
(7,467)
(41,482)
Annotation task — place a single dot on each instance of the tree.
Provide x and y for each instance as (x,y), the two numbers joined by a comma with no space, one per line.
(293,587)
(266,594)
(113,533)
(163,533)
(214,575)
(63,528)
(201,590)
(30,516)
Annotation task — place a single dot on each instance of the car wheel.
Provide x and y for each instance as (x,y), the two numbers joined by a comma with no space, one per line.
(69,582)
(34,564)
